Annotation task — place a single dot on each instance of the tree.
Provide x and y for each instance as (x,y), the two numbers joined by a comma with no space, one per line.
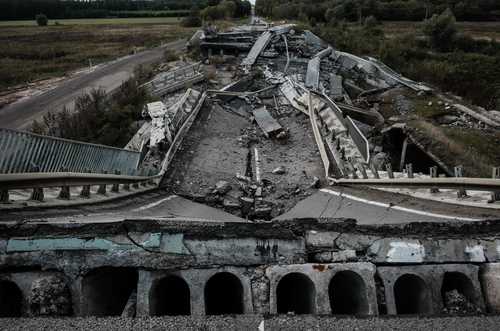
(42,20)
(441,30)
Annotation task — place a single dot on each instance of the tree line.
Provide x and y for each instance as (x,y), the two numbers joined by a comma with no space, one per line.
(61,9)
(396,10)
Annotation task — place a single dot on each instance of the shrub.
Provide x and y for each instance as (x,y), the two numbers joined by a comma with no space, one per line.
(42,20)
(170,55)
(441,30)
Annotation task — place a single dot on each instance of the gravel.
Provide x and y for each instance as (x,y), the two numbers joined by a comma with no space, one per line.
(252,322)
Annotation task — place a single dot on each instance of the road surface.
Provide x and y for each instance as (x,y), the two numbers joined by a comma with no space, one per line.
(21,114)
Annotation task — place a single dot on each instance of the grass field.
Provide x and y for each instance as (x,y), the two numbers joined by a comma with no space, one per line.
(99,21)
(489,30)
(31,53)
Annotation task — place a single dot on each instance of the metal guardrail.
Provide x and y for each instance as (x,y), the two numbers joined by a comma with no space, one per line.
(478,184)
(22,152)
(359,139)
(61,179)
(354,132)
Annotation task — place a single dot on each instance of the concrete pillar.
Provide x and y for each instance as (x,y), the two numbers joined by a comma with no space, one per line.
(363,171)
(144,283)
(4,196)
(490,282)
(374,171)
(116,187)
(403,154)
(102,188)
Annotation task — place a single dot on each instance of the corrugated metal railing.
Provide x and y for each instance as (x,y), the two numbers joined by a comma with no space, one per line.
(22,152)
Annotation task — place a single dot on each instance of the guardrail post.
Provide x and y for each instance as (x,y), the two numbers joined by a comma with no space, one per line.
(116,187)
(37,193)
(102,187)
(388,167)
(374,171)
(64,194)
(353,169)
(459,172)
(363,171)
(495,195)
(433,172)
(4,196)
(409,170)
(85,193)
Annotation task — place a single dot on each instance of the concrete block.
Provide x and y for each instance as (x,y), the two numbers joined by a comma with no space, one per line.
(490,280)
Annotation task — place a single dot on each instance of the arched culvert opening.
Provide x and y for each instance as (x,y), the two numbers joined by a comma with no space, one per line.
(223,294)
(457,292)
(11,299)
(106,291)
(412,295)
(296,293)
(347,292)
(170,296)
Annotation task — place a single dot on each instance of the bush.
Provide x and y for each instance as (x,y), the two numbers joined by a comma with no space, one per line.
(42,20)
(191,22)
(441,30)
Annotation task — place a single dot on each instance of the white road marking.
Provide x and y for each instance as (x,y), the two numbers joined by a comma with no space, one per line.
(154,204)
(257,165)
(386,205)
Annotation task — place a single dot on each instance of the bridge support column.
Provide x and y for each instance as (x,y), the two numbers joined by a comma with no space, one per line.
(374,171)
(64,194)
(363,171)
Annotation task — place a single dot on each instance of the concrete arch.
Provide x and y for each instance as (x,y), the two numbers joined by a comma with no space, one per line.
(223,294)
(454,280)
(296,293)
(412,295)
(11,299)
(347,294)
(170,296)
(107,290)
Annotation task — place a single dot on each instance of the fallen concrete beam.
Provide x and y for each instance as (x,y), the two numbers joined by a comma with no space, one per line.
(266,122)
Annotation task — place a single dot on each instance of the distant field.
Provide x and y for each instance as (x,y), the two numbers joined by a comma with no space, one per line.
(30,53)
(99,21)
(474,29)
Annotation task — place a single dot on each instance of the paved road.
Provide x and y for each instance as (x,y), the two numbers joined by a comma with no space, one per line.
(328,203)
(20,114)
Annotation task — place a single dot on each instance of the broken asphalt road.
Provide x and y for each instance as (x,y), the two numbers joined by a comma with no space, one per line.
(20,114)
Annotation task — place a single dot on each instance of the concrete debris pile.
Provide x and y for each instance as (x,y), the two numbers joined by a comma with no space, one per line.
(176,79)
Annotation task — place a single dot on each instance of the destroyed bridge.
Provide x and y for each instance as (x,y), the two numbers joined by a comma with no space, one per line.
(255,185)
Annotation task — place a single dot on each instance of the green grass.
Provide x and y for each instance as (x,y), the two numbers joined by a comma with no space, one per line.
(99,21)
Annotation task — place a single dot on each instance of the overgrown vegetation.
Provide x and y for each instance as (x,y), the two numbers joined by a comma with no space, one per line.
(323,11)
(441,55)
(226,9)
(60,9)
(99,118)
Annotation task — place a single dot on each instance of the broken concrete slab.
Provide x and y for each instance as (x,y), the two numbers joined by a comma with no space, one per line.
(266,122)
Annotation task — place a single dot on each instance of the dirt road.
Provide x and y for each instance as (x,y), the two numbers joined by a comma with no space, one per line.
(19,115)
